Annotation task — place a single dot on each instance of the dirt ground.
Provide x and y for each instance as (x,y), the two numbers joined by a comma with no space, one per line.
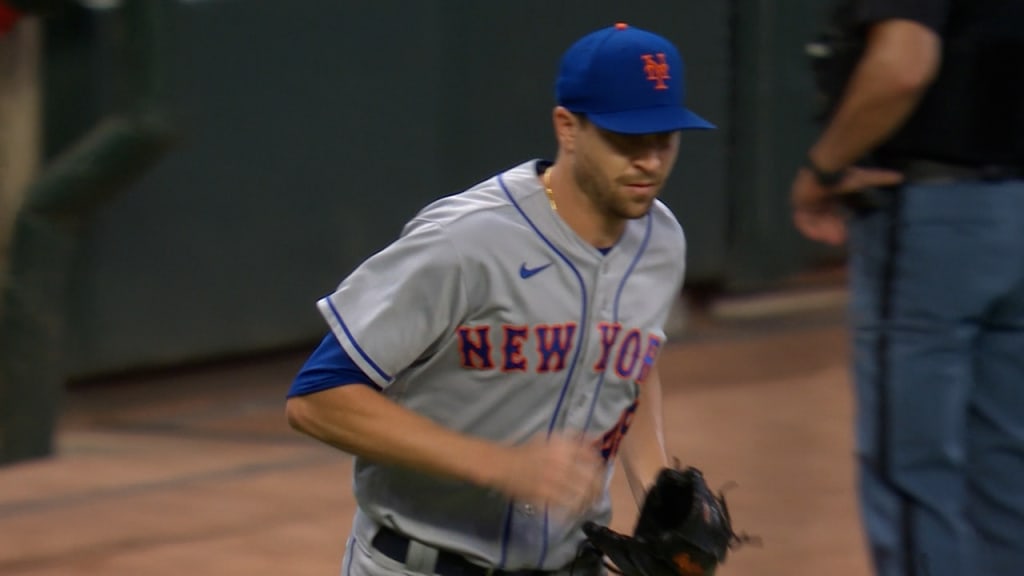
(196,472)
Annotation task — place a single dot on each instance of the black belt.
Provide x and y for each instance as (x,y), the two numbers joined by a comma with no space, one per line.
(931,171)
(395,546)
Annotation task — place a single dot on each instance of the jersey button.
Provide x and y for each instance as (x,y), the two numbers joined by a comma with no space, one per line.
(528,509)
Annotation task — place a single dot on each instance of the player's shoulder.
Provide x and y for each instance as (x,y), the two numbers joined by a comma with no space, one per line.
(666,227)
(485,205)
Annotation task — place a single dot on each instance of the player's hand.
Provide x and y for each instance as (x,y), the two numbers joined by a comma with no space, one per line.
(816,212)
(564,472)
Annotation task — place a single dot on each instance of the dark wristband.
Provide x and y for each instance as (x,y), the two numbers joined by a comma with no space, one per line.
(825,179)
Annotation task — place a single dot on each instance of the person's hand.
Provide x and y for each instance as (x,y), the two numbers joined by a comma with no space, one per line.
(563,471)
(816,211)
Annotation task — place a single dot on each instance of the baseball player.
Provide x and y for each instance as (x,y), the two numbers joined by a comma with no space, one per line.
(485,367)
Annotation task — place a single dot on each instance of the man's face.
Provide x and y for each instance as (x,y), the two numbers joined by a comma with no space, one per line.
(622,174)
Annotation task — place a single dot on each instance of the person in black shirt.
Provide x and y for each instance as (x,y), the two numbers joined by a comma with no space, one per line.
(919,170)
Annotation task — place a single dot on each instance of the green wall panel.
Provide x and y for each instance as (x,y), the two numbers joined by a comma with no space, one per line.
(772,129)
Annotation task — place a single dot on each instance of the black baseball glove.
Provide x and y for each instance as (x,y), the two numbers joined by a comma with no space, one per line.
(683,530)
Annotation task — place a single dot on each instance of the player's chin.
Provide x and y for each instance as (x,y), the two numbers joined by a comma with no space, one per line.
(636,208)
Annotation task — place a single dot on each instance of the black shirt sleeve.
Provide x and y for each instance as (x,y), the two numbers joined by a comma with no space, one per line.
(931,13)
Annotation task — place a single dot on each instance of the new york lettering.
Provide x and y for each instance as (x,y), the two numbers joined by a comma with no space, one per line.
(628,352)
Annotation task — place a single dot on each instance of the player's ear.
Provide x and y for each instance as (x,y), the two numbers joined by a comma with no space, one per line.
(566,125)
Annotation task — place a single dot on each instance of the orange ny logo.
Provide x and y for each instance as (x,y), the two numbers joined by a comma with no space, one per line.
(656,69)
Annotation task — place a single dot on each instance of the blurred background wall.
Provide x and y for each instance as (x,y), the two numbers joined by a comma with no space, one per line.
(309,131)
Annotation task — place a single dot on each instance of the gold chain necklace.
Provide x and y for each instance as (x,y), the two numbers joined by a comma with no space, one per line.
(547,189)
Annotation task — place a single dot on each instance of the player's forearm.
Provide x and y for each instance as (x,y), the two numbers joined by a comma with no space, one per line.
(360,421)
(643,448)
(899,64)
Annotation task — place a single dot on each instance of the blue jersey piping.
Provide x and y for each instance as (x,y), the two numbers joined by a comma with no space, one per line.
(355,344)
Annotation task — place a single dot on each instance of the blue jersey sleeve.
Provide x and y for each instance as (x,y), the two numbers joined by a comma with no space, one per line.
(328,367)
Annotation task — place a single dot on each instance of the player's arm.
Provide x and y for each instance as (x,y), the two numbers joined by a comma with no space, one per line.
(901,59)
(643,447)
(379,319)
(334,401)
(360,420)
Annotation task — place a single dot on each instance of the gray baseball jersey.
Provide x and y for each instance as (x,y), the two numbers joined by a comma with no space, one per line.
(492,317)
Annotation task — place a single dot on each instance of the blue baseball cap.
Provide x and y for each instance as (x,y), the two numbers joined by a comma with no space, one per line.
(626,80)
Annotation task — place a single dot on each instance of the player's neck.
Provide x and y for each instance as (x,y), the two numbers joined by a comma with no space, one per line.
(578,211)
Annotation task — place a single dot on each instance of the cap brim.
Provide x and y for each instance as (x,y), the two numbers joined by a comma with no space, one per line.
(650,121)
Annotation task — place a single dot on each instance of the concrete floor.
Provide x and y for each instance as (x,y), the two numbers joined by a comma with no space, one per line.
(196,472)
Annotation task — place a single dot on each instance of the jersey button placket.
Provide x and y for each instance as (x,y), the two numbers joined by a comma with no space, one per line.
(602,292)
(586,386)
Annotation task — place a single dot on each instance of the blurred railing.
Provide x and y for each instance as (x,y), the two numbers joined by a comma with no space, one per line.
(47,228)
